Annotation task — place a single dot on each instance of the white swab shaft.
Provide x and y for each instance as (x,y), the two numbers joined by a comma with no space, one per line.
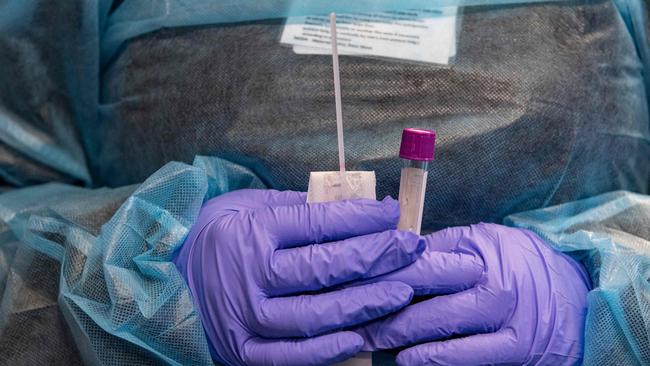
(337,93)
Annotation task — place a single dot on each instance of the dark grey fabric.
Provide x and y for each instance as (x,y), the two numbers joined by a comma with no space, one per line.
(545,104)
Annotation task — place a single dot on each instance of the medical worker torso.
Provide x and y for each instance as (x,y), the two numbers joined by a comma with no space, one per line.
(544,104)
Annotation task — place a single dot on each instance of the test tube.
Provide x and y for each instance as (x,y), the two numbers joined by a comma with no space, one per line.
(416,151)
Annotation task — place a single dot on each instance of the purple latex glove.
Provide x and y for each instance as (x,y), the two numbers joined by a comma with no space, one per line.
(527,306)
(251,255)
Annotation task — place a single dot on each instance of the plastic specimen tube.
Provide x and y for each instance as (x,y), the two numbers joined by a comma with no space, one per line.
(416,151)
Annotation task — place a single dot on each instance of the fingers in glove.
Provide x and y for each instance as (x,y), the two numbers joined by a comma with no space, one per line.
(308,315)
(324,350)
(481,349)
(468,312)
(329,221)
(318,266)
(438,273)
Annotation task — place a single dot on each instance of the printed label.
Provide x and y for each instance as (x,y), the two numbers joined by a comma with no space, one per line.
(427,35)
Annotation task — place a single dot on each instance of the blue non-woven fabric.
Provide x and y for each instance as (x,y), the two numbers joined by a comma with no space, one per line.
(636,14)
(122,299)
(49,86)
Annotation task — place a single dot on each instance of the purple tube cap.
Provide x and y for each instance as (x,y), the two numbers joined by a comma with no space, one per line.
(417,144)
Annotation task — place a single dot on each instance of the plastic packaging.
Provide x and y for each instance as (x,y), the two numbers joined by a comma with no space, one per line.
(393,35)
(416,150)
(336,186)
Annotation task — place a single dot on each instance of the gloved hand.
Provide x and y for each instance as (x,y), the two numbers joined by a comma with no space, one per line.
(251,254)
(525,303)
